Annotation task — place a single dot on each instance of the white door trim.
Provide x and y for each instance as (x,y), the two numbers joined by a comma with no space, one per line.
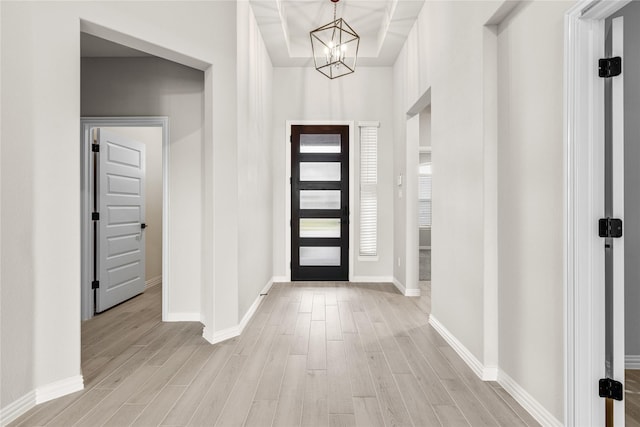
(584,205)
(86,123)
(287,188)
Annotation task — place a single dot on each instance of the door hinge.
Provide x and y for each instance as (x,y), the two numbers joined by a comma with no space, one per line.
(610,67)
(95,216)
(610,389)
(95,148)
(95,284)
(610,227)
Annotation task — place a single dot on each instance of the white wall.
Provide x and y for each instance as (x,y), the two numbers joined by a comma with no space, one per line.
(41,108)
(531,199)
(305,94)
(151,137)
(255,123)
(488,192)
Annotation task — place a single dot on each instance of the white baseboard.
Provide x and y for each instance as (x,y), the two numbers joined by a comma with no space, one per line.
(527,401)
(40,395)
(404,291)
(632,361)
(279,279)
(234,331)
(485,373)
(59,389)
(372,279)
(152,282)
(16,408)
(182,317)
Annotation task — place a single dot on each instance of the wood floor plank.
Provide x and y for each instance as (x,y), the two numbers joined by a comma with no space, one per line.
(346,317)
(288,326)
(100,414)
(367,412)
(241,397)
(450,416)
(79,409)
(148,391)
(421,413)
(436,359)
(339,400)
(397,362)
(367,333)
(157,410)
(189,401)
(216,397)
(318,307)
(124,416)
(342,420)
(358,367)
(269,385)
(314,407)
(469,405)
(261,413)
(290,400)
(334,330)
(317,356)
(394,411)
(300,345)
(427,378)
(306,303)
(194,364)
(484,392)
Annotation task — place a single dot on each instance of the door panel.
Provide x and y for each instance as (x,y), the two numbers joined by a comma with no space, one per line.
(120,249)
(320,203)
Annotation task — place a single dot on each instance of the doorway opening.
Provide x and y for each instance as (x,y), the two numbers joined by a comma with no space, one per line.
(424,200)
(124,217)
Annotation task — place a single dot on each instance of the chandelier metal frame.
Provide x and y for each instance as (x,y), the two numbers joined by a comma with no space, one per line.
(329,46)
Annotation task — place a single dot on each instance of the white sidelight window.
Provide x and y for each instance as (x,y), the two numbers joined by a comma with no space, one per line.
(369,189)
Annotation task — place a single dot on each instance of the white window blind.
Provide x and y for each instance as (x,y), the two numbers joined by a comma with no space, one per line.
(424,201)
(369,190)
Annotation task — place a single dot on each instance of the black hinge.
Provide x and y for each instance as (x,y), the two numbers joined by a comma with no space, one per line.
(95,216)
(610,67)
(610,227)
(95,284)
(610,389)
(95,148)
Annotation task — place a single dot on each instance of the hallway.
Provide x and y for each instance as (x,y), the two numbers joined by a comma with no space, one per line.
(314,354)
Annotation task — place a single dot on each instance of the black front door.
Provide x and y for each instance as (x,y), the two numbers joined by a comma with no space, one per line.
(319,203)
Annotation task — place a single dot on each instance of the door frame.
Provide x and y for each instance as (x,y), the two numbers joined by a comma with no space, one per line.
(583,186)
(86,200)
(287,187)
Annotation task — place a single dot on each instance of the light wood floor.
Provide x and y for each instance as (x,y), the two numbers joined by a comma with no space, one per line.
(632,397)
(314,354)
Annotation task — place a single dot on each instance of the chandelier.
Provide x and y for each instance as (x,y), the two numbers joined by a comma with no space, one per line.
(335,47)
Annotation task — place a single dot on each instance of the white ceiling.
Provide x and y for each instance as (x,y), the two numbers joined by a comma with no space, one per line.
(383,26)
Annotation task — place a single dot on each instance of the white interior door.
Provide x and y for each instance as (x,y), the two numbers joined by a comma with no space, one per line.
(120,258)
